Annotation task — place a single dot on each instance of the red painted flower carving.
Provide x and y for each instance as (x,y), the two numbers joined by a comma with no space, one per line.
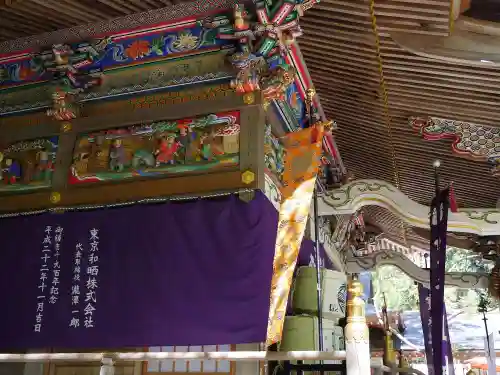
(138,49)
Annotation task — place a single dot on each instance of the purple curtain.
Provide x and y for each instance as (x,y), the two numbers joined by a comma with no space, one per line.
(191,273)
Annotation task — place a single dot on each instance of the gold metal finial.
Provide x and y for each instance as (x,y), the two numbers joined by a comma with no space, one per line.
(403,362)
(355,287)
(355,302)
(389,354)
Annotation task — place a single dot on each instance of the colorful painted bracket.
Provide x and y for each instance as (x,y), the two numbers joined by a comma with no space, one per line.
(466,280)
(357,194)
(473,141)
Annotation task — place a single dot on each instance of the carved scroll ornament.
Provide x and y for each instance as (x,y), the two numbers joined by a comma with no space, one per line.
(473,141)
(466,280)
(357,194)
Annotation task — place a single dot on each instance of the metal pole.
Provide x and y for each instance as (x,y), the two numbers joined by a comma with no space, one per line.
(318,270)
(309,108)
(436,165)
(486,330)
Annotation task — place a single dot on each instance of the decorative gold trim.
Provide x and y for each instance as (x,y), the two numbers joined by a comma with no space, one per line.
(249,98)
(55,197)
(247,177)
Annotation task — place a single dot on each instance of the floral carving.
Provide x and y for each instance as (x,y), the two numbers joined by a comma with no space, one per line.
(478,142)
(138,49)
(186,41)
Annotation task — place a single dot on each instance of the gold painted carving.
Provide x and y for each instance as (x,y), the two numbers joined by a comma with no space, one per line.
(149,76)
(55,197)
(159,100)
(247,177)
(249,98)
(167,73)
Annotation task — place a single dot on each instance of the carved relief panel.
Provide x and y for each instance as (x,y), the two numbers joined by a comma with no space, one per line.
(28,165)
(160,148)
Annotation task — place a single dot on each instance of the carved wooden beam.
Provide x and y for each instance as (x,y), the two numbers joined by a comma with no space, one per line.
(357,194)
(369,262)
(472,141)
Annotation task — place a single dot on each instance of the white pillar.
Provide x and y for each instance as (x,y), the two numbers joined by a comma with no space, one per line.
(356,331)
(107,367)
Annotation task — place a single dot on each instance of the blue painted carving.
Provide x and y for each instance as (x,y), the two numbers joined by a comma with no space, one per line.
(115,51)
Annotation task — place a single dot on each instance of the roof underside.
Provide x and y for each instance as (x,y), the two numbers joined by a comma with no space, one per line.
(375,141)
(22,18)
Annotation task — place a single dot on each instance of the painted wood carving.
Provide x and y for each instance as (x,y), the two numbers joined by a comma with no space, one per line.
(81,59)
(67,72)
(183,73)
(28,165)
(352,197)
(477,142)
(390,257)
(158,149)
(274,155)
(262,43)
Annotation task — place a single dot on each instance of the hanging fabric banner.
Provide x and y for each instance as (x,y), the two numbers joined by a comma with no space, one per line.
(425,313)
(303,151)
(178,273)
(439,227)
(307,256)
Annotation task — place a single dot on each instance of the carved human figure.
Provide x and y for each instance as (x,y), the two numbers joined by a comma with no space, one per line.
(12,171)
(43,164)
(28,172)
(206,147)
(184,138)
(167,150)
(117,156)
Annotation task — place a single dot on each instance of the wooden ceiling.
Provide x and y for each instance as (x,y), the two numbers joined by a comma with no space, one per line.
(20,18)
(340,46)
